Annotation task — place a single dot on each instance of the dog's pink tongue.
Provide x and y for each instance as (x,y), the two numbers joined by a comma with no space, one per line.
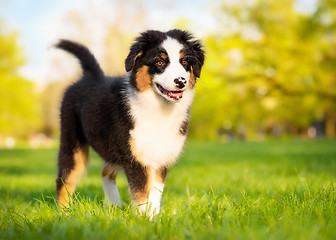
(176,94)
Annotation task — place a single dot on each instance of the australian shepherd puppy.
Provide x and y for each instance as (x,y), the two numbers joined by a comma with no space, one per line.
(137,123)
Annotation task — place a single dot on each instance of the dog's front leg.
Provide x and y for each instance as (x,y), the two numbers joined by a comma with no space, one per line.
(155,193)
(146,187)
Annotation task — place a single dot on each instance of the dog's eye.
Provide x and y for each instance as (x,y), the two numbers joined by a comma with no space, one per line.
(184,62)
(160,63)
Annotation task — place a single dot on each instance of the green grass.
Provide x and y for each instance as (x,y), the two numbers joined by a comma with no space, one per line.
(237,190)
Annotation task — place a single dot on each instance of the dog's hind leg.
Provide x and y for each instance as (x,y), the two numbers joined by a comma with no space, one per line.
(72,156)
(72,164)
(109,174)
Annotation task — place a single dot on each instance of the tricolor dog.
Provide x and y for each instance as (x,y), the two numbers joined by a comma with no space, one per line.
(137,123)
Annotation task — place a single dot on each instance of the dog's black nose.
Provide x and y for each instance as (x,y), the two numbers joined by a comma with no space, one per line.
(180,82)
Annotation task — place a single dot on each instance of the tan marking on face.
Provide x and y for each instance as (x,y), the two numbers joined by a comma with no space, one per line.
(80,156)
(192,79)
(143,79)
(182,54)
(164,56)
(109,170)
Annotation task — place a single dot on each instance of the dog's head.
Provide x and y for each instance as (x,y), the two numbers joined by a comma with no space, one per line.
(168,62)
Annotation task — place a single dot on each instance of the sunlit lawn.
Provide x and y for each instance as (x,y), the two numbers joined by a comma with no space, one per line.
(237,190)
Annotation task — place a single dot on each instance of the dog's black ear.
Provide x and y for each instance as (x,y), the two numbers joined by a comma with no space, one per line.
(198,51)
(135,51)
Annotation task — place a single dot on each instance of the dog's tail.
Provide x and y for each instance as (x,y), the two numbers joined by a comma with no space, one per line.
(87,60)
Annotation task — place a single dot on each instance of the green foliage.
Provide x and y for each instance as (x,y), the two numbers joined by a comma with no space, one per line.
(237,190)
(19,108)
(274,70)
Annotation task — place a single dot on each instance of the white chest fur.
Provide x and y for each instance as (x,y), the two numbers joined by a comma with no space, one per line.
(156,140)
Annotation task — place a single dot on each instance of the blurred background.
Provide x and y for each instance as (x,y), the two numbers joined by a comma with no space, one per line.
(270,69)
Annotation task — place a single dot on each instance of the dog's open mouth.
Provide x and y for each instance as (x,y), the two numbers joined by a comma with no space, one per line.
(175,95)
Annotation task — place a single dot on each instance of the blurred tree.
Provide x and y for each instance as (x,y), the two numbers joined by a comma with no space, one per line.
(321,28)
(111,39)
(19,108)
(274,71)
